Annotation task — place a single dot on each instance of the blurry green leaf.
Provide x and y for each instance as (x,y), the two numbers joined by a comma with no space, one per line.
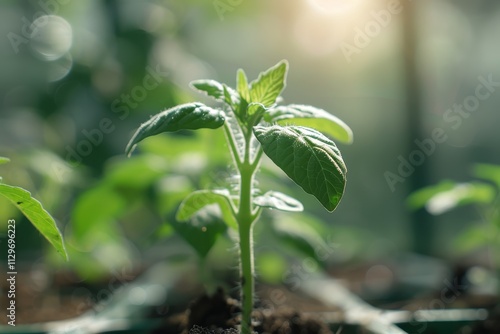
(309,158)
(295,232)
(138,172)
(100,252)
(242,85)
(458,195)
(474,237)
(488,172)
(419,198)
(309,116)
(36,214)
(4,160)
(270,267)
(172,146)
(175,145)
(190,116)
(164,231)
(202,229)
(96,236)
(170,191)
(279,201)
(52,166)
(95,208)
(201,198)
(269,85)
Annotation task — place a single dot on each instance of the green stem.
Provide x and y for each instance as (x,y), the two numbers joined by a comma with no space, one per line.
(247,278)
(232,145)
(245,219)
(258,156)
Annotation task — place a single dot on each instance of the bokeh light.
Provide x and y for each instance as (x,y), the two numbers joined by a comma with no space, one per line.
(333,6)
(59,68)
(51,37)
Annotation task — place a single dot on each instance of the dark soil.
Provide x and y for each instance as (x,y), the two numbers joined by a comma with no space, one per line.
(37,302)
(219,314)
(42,296)
(491,325)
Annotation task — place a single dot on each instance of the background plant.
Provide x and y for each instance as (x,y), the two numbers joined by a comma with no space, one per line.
(115,42)
(253,125)
(34,212)
(483,193)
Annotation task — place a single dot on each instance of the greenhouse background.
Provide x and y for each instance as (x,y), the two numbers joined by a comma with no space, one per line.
(417,81)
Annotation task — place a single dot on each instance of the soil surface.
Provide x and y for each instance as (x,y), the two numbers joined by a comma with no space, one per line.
(491,325)
(42,296)
(39,300)
(219,314)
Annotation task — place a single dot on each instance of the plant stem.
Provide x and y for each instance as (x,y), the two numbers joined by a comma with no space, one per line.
(232,145)
(245,219)
(247,284)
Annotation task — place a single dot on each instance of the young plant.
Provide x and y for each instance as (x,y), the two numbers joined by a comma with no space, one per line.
(254,124)
(484,194)
(35,213)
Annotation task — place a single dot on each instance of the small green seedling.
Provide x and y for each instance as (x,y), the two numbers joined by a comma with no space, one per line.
(254,124)
(484,194)
(35,213)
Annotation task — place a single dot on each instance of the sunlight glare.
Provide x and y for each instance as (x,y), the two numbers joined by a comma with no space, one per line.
(333,6)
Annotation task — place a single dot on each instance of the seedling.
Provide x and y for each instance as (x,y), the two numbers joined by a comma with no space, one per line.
(35,213)
(484,194)
(254,124)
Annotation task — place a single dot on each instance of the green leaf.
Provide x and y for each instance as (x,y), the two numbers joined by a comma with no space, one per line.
(231,97)
(201,198)
(215,89)
(4,160)
(164,231)
(210,87)
(36,214)
(202,230)
(89,211)
(488,172)
(138,172)
(473,237)
(255,108)
(309,158)
(319,119)
(190,116)
(269,85)
(242,85)
(419,198)
(462,194)
(279,201)
(299,235)
(238,106)
(271,267)
(458,195)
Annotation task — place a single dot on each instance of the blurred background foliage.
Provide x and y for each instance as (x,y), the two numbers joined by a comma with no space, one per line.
(75,84)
